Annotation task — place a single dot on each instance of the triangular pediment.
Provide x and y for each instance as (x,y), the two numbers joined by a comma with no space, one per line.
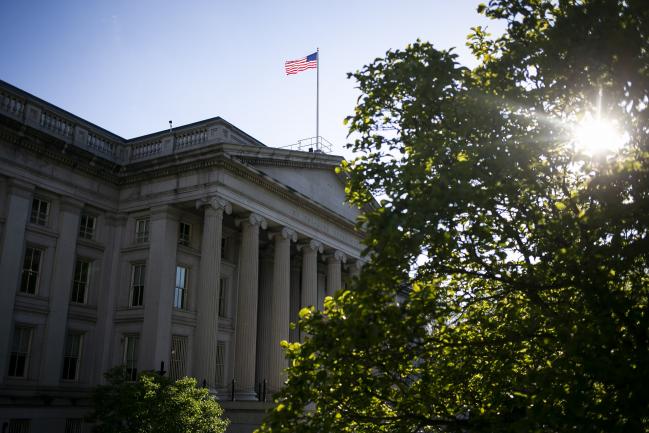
(320,184)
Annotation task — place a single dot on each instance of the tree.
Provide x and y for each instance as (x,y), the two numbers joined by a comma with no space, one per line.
(154,403)
(526,254)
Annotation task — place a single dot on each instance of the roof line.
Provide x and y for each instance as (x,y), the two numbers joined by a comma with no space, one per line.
(116,136)
(55,107)
(193,124)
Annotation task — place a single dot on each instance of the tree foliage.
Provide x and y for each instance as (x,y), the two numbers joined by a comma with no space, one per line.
(527,257)
(154,403)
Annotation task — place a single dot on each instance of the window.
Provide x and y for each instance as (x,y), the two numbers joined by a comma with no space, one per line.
(222,291)
(73,425)
(131,343)
(178,356)
(40,212)
(184,234)
(31,269)
(19,425)
(72,356)
(142,230)
(180,292)
(20,348)
(138,272)
(87,226)
(81,281)
(219,379)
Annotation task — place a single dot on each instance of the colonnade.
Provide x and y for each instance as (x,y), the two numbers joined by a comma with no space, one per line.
(273,296)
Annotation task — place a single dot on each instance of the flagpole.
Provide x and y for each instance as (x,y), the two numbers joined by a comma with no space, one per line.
(317,101)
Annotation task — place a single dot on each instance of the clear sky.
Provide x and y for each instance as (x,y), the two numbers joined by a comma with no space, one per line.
(130,66)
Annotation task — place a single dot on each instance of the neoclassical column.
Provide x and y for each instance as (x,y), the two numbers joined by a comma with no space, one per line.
(115,225)
(310,250)
(334,274)
(207,299)
(279,307)
(296,264)
(159,288)
(62,274)
(11,254)
(263,312)
(246,331)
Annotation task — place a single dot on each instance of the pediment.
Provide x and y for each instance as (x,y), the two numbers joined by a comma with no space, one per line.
(320,184)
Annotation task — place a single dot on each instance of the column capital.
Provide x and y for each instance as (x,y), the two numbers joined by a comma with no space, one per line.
(253,219)
(336,256)
(284,233)
(311,245)
(215,203)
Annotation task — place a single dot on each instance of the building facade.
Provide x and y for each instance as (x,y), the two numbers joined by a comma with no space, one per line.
(192,248)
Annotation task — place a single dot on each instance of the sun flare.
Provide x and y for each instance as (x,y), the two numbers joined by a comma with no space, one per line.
(596,136)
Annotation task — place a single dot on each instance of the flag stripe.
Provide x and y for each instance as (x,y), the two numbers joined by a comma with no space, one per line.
(308,62)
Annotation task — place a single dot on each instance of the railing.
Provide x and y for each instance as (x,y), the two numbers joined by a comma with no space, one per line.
(311,144)
(47,118)
(100,144)
(11,104)
(146,149)
(190,139)
(56,124)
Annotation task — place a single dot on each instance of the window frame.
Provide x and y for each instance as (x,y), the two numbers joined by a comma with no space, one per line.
(223,298)
(131,363)
(220,367)
(142,230)
(178,357)
(84,231)
(139,287)
(181,292)
(26,355)
(77,283)
(31,272)
(68,357)
(36,214)
(184,239)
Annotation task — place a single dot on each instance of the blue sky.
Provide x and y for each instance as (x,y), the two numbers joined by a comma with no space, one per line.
(131,66)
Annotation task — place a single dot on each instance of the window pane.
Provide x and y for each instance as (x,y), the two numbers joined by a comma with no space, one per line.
(222,299)
(131,344)
(20,349)
(81,281)
(72,356)
(137,284)
(178,356)
(180,291)
(219,379)
(142,230)
(31,268)
(87,227)
(184,233)
(40,212)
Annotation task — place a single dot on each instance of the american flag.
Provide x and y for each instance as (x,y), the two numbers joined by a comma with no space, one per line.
(299,65)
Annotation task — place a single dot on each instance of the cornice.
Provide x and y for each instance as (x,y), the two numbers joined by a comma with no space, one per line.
(240,165)
(60,152)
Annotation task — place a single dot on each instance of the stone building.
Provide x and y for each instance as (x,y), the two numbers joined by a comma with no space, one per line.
(193,247)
